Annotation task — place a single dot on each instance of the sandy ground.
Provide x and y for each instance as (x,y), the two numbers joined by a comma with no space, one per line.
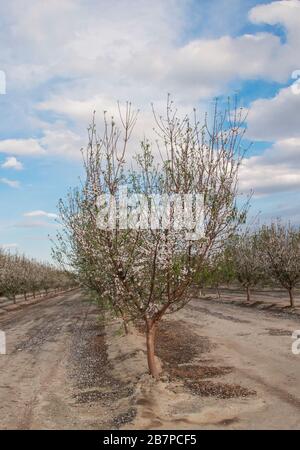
(56,374)
(274,298)
(224,366)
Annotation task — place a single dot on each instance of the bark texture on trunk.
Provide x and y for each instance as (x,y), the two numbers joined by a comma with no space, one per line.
(124,320)
(150,342)
(248,294)
(125,325)
(292,300)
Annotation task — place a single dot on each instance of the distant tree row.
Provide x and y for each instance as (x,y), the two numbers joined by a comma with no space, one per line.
(22,276)
(269,255)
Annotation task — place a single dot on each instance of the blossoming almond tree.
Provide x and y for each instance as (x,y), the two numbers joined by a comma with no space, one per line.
(146,268)
(21,275)
(244,251)
(280,254)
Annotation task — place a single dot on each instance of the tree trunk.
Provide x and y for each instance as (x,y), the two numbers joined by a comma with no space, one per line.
(125,325)
(248,294)
(291,294)
(124,319)
(150,341)
(218,292)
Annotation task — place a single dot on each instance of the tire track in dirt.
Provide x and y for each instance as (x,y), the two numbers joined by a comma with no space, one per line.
(32,332)
(26,421)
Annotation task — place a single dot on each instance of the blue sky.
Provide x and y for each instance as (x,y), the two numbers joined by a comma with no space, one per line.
(65,58)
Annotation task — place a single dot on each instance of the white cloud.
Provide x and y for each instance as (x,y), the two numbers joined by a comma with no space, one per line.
(79,109)
(96,38)
(275,118)
(59,140)
(138,48)
(9,246)
(276,170)
(35,224)
(11,183)
(40,213)
(285,12)
(111,59)
(12,163)
(136,51)
(21,147)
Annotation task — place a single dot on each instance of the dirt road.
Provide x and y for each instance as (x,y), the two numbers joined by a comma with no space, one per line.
(257,344)
(62,372)
(56,363)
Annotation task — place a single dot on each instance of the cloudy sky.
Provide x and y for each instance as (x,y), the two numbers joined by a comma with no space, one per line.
(62,59)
